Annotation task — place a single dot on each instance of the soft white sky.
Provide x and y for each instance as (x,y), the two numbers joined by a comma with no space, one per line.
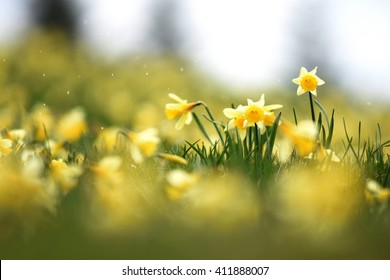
(244,42)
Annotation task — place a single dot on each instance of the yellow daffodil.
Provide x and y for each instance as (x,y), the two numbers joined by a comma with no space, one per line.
(107,139)
(236,120)
(308,81)
(16,135)
(303,137)
(5,147)
(258,113)
(182,108)
(42,122)
(143,144)
(180,182)
(65,175)
(108,171)
(318,203)
(72,125)
(26,199)
(321,154)
(374,192)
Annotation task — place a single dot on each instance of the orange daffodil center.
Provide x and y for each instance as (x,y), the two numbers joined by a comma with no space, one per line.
(255,113)
(308,81)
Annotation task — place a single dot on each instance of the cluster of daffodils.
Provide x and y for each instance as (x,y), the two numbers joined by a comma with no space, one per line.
(128,181)
(37,168)
(40,165)
(303,137)
(254,114)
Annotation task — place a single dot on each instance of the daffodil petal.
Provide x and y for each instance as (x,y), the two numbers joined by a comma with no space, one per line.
(300,91)
(176,98)
(230,113)
(303,71)
(272,107)
(297,81)
(180,123)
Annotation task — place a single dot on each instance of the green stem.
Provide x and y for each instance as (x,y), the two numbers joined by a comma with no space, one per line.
(313,116)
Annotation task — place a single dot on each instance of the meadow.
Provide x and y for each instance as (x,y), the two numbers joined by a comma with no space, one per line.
(148,158)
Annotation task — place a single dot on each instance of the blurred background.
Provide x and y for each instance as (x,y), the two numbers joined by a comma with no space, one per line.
(134,49)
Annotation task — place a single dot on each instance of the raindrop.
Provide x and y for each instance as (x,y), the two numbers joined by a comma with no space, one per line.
(112,74)
(146,73)
(44,75)
(68,92)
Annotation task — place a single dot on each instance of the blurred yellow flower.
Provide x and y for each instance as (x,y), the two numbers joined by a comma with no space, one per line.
(143,144)
(236,120)
(374,192)
(308,81)
(319,203)
(321,154)
(222,203)
(16,134)
(118,200)
(5,147)
(180,182)
(108,170)
(26,200)
(302,136)
(182,109)
(107,139)
(72,125)
(65,175)
(42,122)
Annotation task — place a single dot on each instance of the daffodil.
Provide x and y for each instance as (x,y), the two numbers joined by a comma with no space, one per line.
(236,120)
(375,192)
(5,147)
(303,137)
(143,144)
(321,154)
(65,175)
(180,182)
(108,139)
(308,81)
(258,113)
(42,122)
(180,109)
(108,171)
(26,199)
(318,203)
(72,125)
